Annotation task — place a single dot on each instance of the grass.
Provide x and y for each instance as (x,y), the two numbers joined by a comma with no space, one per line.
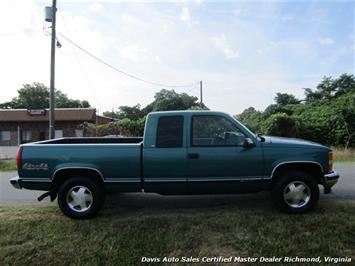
(7,165)
(344,155)
(121,235)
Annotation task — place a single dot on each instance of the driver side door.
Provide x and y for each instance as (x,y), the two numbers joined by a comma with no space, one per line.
(218,162)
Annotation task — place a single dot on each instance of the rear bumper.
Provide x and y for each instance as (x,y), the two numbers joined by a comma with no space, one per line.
(31,183)
(16,182)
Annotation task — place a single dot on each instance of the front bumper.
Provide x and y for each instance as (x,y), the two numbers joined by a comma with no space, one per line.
(16,182)
(330,180)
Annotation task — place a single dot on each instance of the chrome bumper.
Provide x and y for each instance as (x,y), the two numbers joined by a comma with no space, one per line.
(331,179)
(15,182)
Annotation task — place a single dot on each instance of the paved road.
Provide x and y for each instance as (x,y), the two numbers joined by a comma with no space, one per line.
(345,189)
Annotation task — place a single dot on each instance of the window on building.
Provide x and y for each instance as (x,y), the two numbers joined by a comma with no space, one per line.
(170,132)
(4,135)
(58,133)
(26,135)
(78,133)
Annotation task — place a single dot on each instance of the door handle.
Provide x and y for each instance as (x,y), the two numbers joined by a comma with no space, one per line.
(193,155)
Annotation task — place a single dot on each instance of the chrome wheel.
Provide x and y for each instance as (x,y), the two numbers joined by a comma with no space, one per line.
(79,198)
(297,194)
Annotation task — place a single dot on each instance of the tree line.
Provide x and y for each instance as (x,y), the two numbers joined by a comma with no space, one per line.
(36,96)
(325,115)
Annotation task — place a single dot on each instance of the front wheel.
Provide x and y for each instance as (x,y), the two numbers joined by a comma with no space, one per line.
(80,197)
(295,192)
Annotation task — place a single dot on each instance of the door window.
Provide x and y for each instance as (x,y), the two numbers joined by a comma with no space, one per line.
(212,130)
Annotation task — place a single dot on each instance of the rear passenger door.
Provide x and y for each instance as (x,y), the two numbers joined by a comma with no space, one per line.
(164,163)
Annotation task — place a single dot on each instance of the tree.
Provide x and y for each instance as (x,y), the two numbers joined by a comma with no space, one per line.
(36,96)
(251,118)
(168,100)
(329,88)
(281,125)
(132,118)
(133,113)
(327,116)
(164,100)
(285,99)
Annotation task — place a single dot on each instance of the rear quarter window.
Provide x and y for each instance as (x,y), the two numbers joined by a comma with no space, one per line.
(170,132)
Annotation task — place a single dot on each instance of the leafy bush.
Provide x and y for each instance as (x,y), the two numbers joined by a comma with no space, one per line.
(326,116)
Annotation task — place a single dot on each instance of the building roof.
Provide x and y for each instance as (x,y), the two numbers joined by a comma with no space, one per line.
(61,114)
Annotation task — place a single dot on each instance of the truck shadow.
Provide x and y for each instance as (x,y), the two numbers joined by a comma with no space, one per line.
(152,201)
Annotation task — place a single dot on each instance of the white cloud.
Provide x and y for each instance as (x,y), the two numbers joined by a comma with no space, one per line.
(221,43)
(237,12)
(185,15)
(95,7)
(199,2)
(156,45)
(133,52)
(326,41)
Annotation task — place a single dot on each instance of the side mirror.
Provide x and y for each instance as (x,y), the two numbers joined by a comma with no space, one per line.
(248,143)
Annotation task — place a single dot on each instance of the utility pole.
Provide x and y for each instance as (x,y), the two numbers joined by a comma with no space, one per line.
(51,97)
(201,99)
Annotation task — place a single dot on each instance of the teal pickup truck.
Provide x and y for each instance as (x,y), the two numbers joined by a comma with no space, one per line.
(182,152)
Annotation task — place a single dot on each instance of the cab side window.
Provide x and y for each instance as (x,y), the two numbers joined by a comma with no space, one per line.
(213,130)
(170,132)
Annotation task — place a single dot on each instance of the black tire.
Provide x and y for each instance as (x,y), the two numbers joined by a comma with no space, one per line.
(289,192)
(90,199)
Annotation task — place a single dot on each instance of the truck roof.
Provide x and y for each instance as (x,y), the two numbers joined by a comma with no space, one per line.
(187,111)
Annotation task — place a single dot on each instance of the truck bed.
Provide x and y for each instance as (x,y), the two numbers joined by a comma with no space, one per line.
(116,159)
(92,140)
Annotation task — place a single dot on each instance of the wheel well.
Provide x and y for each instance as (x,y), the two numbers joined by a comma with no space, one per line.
(63,175)
(312,169)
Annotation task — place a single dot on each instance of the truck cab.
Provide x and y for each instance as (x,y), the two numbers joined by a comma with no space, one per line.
(200,152)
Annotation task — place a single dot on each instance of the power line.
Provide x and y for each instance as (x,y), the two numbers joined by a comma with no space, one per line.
(121,71)
(81,67)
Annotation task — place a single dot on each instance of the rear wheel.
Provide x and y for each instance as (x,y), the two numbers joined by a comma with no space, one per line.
(80,197)
(295,192)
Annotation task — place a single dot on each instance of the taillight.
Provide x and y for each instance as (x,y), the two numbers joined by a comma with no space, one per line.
(330,162)
(19,158)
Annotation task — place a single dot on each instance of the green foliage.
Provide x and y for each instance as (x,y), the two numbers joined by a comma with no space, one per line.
(167,100)
(36,96)
(135,112)
(285,99)
(125,127)
(132,128)
(101,130)
(326,116)
(330,88)
(251,118)
(132,118)
(282,125)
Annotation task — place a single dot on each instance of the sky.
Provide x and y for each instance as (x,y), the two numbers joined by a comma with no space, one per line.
(243,51)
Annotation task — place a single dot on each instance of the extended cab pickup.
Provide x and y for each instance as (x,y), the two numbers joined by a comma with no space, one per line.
(182,152)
